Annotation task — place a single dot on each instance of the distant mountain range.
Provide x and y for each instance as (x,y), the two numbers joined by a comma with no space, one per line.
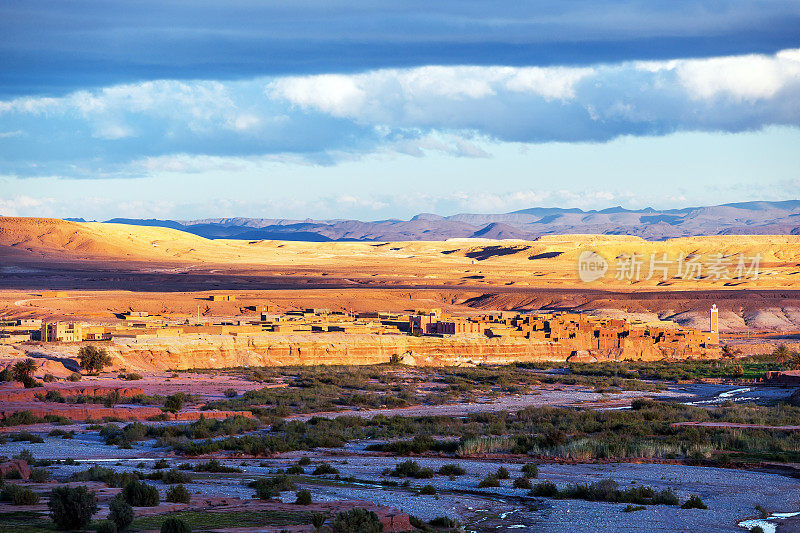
(747,218)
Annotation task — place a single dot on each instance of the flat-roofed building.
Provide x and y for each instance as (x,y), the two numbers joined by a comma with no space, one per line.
(61,332)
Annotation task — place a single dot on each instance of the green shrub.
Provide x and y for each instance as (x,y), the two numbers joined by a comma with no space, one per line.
(451,470)
(231,393)
(411,469)
(428,490)
(522,483)
(178,494)
(131,376)
(48,378)
(530,470)
(108,476)
(546,489)
(140,494)
(630,508)
(317,520)
(174,476)
(271,487)
(502,473)
(74,377)
(13,474)
(357,521)
(161,463)
(304,461)
(303,497)
(694,502)
(489,481)
(39,475)
(175,525)
(61,433)
(18,495)
(295,470)
(26,436)
(107,526)
(120,513)
(30,383)
(215,467)
(324,469)
(607,490)
(72,507)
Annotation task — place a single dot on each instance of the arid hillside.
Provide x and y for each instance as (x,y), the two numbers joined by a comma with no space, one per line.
(111,268)
(690,263)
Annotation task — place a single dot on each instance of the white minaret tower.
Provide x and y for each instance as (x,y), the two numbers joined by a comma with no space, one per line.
(714,319)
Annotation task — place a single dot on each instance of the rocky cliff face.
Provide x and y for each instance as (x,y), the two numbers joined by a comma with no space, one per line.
(221,351)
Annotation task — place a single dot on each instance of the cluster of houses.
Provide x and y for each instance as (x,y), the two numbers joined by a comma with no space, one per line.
(579,331)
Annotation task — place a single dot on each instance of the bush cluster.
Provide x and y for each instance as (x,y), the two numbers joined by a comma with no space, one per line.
(178,494)
(411,469)
(271,487)
(140,494)
(18,495)
(607,490)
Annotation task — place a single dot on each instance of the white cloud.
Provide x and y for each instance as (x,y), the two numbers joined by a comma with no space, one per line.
(323,119)
(746,77)
(371,96)
(22,204)
(336,94)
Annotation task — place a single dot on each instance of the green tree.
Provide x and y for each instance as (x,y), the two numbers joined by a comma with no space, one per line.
(174,403)
(72,507)
(120,513)
(93,359)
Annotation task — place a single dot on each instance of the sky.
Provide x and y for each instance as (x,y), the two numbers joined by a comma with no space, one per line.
(376,110)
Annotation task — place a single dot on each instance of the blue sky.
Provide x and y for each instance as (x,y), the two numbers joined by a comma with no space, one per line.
(349,110)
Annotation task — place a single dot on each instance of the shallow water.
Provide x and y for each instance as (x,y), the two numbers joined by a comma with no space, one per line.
(768,524)
(710,394)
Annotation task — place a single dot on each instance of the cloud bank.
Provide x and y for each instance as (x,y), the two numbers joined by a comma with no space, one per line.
(118,131)
(54,47)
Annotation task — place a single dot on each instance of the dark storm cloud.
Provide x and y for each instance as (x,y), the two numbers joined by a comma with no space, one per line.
(53,47)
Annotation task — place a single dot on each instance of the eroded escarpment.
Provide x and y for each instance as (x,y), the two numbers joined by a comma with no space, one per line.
(224,351)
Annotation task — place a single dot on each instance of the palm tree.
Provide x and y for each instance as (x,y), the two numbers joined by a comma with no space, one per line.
(781,353)
(23,370)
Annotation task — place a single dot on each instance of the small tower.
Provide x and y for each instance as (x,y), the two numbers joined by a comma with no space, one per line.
(714,319)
